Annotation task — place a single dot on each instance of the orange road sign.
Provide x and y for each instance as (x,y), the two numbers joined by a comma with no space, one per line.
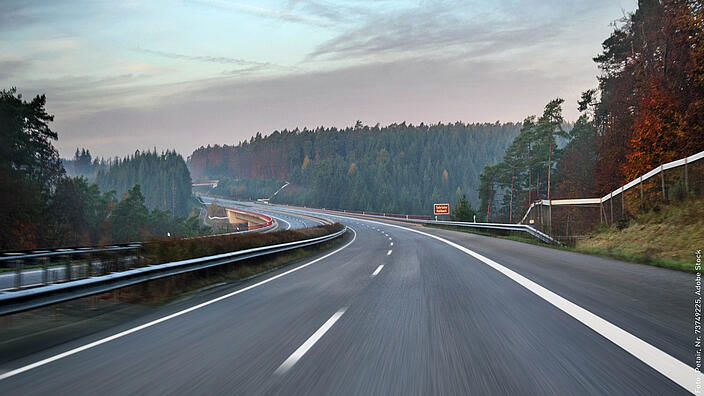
(441,209)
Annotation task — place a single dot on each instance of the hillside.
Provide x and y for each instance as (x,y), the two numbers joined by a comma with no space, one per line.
(668,235)
(398,168)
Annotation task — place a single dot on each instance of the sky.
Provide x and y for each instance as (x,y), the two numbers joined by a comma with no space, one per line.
(126,75)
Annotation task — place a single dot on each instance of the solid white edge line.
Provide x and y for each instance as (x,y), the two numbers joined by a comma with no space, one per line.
(93,344)
(389,252)
(298,353)
(672,368)
(287,223)
(377,270)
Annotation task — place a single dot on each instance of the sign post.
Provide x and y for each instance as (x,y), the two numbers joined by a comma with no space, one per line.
(441,209)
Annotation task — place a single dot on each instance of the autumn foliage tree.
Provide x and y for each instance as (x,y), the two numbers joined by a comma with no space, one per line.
(652,91)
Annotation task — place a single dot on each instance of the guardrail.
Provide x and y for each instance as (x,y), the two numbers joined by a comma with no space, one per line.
(66,264)
(501,226)
(72,263)
(387,215)
(639,181)
(495,226)
(22,300)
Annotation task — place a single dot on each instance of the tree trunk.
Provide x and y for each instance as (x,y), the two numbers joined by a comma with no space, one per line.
(491,198)
(510,205)
(549,169)
(530,186)
(549,164)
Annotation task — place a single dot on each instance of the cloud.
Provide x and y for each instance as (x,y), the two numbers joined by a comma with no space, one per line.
(229,110)
(210,59)
(10,68)
(13,13)
(337,14)
(436,27)
(382,61)
(285,15)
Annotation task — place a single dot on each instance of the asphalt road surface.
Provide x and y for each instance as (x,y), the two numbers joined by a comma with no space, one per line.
(399,311)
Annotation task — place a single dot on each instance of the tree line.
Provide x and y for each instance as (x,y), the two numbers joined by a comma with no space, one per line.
(42,207)
(648,109)
(83,164)
(164,178)
(400,168)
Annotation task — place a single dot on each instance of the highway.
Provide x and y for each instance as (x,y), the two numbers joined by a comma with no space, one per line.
(398,310)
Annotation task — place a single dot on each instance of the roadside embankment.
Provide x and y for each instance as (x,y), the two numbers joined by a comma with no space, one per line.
(666,236)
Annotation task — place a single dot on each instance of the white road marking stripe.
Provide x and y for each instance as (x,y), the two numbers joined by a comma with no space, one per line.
(390,238)
(389,252)
(288,227)
(391,244)
(672,368)
(298,353)
(163,319)
(377,270)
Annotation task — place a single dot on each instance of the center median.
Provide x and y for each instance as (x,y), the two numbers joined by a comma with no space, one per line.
(169,257)
(32,330)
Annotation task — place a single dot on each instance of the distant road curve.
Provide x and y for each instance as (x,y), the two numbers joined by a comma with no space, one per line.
(286,220)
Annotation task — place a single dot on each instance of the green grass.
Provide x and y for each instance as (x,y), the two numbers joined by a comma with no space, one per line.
(640,259)
(666,236)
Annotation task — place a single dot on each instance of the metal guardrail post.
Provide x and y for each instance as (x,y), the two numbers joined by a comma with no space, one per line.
(104,263)
(68,275)
(686,178)
(45,270)
(623,203)
(662,182)
(89,266)
(18,273)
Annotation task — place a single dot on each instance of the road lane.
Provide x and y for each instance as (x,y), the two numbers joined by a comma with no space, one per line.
(462,332)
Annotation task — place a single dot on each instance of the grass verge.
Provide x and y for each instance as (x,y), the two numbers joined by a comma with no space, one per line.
(668,235)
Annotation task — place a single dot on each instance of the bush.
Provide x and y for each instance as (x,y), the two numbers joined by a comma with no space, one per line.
(164,250)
